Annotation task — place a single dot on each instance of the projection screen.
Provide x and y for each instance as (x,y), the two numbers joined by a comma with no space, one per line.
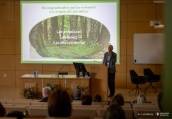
(63,32)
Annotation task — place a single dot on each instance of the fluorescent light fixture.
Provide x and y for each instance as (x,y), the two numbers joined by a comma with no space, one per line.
(159,26)
(159,1)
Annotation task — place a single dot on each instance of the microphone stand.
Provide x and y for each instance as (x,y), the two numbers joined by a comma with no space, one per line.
(60,70)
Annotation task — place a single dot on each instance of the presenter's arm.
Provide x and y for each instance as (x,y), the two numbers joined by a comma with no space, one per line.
(104,59)
(114,58)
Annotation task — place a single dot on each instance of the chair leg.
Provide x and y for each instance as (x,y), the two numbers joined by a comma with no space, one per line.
(147,88)
(132,90)
(142,90)
(152,87)
(137,90)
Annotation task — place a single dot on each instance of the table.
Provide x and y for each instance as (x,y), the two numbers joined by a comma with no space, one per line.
(66,81)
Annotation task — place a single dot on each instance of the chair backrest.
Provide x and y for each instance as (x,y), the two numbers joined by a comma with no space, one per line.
(87,106)
(134,77)
(128,113)
(79,117)
(39,103)
(18,102)
(33,111)
(84,112)
(13,108)
(133,73)
(101,111)
(148,72)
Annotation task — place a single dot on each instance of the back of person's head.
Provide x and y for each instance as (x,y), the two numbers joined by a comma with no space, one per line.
(18,114)
(160,96)
(2,110)
(46,91)
(59,104)
(97,98)
(114,111)
(118,99)
(86,100)
(141,99)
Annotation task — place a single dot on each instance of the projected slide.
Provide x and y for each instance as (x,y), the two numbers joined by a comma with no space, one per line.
(61,32)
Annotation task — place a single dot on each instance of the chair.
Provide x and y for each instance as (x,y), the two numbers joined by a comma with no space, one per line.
(135,79)
(151,77)
(90,112)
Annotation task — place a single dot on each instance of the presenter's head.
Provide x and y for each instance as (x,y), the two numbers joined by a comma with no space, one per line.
(110,48)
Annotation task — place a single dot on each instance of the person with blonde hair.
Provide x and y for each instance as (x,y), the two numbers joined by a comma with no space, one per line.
(46,91)
(141,99)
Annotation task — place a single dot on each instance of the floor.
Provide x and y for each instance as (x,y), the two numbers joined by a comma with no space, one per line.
(14,93)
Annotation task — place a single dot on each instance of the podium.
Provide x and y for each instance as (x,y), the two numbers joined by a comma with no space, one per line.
(99,81)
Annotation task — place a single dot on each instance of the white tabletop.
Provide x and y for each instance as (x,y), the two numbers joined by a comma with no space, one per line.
(50,76)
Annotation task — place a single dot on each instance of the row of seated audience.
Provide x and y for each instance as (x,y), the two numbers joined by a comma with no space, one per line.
(59,104)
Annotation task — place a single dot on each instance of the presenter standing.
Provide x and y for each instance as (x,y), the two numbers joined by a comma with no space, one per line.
(109,60)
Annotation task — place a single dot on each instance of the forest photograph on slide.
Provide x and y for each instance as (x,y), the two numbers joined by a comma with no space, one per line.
(69,37)
(65,32)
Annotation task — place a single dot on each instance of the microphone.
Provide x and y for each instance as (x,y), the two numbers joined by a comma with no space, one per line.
(60,70)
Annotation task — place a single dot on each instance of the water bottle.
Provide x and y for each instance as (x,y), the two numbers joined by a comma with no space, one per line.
(35,73)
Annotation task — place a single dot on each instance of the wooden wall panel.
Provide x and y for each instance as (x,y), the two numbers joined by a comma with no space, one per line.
(7,19)
(120,80)
(141,12)
(7,78)
(129,46)
(6,30)
(7,10)
(17,46)
(122,66)
(139,1)
(18,75)
(123,47)
(55,67)
(123,30)
(7,46)
(123,12)
(7,62)
(139,27)
(17,19)
(160,12)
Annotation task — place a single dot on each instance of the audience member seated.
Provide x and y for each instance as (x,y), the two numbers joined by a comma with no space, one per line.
(160,96)
(118,99)
(2,110)
(114,111)
(59,104)
(46,91)
(141,99)
(86,100)
(18,114)
(97,98)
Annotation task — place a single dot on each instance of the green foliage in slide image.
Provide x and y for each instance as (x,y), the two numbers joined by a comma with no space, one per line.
(69,37)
